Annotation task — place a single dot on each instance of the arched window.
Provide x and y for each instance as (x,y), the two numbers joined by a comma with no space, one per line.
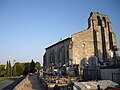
(61,55)
(104,21)
(99,21)
(67,52)
(52,57)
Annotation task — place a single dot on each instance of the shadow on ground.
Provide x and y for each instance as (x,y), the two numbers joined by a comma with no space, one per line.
(15,82)
(36,83)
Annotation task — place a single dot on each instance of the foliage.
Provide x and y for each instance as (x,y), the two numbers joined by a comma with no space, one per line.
(14,70)
(3,78)
(38,66)
(9,69)
(18,69)
(26,68)
(32,64)
(2,70)
(32,67)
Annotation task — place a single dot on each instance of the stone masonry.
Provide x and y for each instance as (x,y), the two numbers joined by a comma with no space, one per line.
(97,40)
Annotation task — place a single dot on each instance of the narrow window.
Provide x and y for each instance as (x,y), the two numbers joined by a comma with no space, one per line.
(99,21)
(104,21)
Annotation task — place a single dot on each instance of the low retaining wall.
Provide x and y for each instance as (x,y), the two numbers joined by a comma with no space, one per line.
(22,84)
(43,83)
(111,74)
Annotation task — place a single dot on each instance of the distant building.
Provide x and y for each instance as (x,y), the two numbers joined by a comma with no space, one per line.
(97,40)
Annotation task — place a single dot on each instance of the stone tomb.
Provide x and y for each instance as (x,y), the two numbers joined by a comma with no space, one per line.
(83,62)
(92,61)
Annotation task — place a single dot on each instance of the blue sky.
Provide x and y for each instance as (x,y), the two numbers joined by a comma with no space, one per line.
(28,26)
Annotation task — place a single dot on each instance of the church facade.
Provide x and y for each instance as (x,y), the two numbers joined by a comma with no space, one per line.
(97,40)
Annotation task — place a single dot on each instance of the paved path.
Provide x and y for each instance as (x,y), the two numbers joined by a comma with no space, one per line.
(34,84)
(5,83)
(9,84)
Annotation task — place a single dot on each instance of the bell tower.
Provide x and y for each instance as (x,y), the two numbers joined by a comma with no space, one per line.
(104,37)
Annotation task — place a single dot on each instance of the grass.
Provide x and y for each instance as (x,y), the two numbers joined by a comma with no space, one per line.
(3,78)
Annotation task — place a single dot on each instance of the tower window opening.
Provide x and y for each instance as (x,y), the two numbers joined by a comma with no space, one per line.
(104,21)
(99,21)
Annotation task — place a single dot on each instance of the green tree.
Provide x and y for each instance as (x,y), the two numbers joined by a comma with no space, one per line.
(18,69)
(26,68)
(14,70)
(38,66)
(22,66)
(32,67)
(2,70)
(9,69)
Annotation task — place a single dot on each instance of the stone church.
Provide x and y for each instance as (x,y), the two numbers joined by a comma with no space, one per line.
(97,40)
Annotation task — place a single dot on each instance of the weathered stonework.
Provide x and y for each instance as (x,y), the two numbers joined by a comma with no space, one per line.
(57,54)
(98,40)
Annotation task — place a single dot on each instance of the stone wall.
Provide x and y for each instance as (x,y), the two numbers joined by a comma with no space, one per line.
(111,74)
(97,40)
(57,53)
(82,45)
(22,84)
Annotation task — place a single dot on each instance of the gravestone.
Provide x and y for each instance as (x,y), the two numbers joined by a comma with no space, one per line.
(83,62)
(92,61)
